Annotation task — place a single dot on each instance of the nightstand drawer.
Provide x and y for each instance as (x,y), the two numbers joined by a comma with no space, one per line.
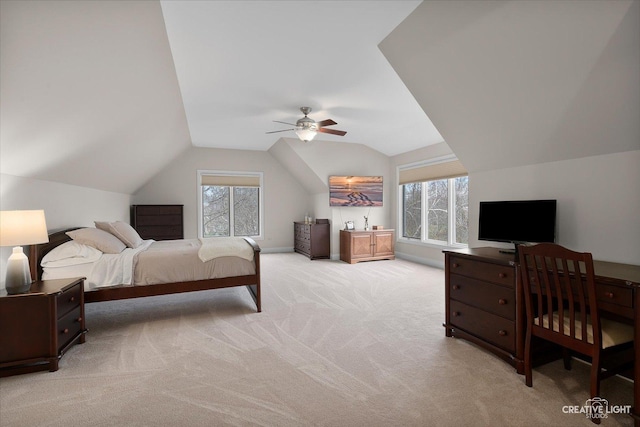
(37,327)
(69,327)
(496,299)
(68,300)
(489,327)
(501,274)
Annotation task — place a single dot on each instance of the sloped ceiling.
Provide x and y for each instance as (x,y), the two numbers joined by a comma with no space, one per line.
(511,83)
(243,64)
(89,93)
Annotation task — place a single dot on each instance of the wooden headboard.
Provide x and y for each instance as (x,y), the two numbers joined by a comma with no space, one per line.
(37,252)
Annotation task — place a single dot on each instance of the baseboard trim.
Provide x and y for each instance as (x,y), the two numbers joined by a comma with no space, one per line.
(419,260)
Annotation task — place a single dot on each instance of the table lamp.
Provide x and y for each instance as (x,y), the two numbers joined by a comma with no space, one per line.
(21,228)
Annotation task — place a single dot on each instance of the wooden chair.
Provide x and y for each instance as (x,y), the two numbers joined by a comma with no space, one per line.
(559,289)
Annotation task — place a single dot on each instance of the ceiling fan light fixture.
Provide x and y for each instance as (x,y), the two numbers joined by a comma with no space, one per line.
(307,128)
(306,134)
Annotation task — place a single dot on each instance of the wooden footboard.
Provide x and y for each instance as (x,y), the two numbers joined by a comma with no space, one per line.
(252,281)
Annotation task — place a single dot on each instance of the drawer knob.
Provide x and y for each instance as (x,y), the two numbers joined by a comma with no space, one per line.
(455,265)
(502,333)
(456,287)
(65,331)
(502,301)
(72,299)
(502,275)
(455,314)
(609,294)
(79,319)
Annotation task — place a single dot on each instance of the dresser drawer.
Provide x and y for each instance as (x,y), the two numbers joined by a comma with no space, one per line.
(158,209)
(489,327)
(69,326)
(501,274)
(68,300)
(496,299)
(162,220)
(160,232)
(302,230)
(303,246)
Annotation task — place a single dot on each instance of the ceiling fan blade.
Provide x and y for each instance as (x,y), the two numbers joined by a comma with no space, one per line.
(332,131)
(276,131)
(327,122)
(284,123)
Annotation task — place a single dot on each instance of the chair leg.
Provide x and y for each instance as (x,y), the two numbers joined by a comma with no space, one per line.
(595,380)
(566,357)
(528,375)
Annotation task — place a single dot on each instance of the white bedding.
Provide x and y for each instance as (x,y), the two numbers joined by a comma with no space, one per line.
(216,247)
(154,263)
(116,269)
(108,270)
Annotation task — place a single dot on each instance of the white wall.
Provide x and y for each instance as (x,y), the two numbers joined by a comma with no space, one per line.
(64,205)
(285,199)
(326,158)
(598,201)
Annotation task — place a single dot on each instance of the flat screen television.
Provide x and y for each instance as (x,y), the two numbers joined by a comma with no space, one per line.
(518,221)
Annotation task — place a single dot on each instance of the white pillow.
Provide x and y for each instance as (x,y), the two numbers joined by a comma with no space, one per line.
(101,240)
(70,253)
(123,231)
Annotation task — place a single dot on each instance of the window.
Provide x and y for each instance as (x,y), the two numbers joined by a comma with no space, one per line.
(229,204)
(435,209)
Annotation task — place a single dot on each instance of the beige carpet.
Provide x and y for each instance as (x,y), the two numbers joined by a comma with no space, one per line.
(336,345)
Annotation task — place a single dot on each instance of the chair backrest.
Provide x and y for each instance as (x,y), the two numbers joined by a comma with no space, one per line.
(559,289)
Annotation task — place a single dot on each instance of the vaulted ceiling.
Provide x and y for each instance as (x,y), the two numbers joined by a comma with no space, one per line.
(104,94)
(512,83)
(243,64)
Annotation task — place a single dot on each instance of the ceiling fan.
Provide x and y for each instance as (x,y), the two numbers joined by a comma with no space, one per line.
(307,128)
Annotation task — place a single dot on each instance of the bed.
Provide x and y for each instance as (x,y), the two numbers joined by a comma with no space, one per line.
(225,275)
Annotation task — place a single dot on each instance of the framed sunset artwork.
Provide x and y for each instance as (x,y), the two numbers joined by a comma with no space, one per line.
(355,190)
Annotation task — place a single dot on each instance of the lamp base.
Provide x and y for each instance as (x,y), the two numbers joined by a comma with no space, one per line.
(18,274)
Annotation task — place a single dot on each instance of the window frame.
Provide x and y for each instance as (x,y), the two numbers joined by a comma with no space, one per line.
(451,205)
(259,175)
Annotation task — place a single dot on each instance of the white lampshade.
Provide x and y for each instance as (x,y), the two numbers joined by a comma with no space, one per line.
(306,134)
(19,228)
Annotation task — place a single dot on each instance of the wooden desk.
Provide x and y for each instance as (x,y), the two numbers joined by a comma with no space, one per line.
(500,321)
(618,288)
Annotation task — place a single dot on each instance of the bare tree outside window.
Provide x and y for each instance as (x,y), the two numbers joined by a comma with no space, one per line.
(446,213)
(412,218)
(462,209)
(215,211)
(221,204)
(438,210)
(246,208)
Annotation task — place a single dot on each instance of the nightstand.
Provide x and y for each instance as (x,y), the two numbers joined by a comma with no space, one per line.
(38,327)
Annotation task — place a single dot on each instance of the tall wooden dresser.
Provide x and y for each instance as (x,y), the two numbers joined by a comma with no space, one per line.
(158,222)
(484,303)
(313,239)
